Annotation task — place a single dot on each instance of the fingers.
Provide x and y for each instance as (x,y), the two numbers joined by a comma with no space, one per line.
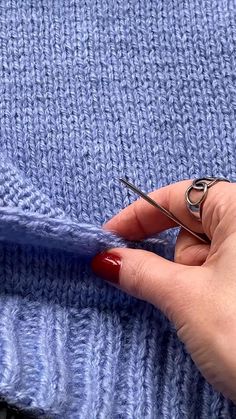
(188,250)
(170,286)
(141,220)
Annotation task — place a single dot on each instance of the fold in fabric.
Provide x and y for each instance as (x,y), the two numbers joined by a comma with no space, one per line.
(49,226)
(83,239)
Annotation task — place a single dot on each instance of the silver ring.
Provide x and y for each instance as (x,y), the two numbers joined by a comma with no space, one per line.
(201,185)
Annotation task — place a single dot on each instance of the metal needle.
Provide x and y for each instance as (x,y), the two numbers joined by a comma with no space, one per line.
(169,214)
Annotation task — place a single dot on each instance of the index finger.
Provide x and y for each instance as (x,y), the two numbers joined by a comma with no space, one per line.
(140,219)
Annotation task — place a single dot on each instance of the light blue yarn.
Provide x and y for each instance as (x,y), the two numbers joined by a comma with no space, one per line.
(91,90)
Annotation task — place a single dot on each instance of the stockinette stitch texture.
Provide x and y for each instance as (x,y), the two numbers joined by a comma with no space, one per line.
(91,90)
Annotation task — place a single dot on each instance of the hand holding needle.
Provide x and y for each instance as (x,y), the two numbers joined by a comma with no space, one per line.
(202,238)
(197,290)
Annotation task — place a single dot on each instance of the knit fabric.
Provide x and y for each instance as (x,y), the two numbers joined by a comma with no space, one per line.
(91,90)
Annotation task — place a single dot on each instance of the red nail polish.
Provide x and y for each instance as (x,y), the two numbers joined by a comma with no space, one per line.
(107,266)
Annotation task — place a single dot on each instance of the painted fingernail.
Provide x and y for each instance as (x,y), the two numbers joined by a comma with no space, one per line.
(107,266)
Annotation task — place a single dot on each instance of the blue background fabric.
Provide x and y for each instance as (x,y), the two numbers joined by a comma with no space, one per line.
(91,90)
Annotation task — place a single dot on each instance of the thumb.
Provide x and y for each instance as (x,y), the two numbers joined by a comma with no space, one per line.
(169,286)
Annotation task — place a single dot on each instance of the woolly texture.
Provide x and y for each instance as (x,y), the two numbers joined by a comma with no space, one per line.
(91,90)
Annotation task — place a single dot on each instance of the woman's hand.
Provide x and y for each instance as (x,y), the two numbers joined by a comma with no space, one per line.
(198,291)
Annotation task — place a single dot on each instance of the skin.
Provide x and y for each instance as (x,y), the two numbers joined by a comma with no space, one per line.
(197,291)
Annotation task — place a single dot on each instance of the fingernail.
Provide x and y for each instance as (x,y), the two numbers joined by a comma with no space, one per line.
(107,266)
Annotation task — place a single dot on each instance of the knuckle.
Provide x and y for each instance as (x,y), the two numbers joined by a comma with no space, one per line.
(220,207)
(216,216)
(136,216)
(180,247)
(178,256)
(138,275)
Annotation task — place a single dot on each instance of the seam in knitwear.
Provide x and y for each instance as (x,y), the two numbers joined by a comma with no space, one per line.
(49,227)
(91,91)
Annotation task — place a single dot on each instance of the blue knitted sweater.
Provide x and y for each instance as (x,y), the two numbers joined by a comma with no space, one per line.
(91,90)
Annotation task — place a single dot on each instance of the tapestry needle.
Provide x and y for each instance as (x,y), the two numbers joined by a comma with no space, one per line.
(169,214)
